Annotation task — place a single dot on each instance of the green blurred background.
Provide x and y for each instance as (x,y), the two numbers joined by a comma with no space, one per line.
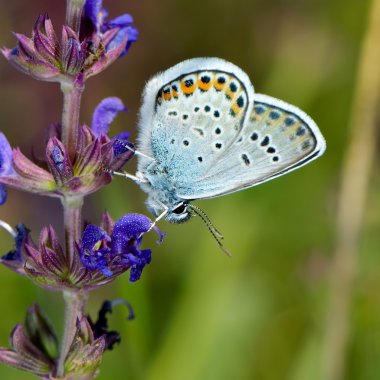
(261,314)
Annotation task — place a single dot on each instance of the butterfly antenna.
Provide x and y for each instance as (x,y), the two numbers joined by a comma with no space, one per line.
(214,232)
(137,152)
(206,220)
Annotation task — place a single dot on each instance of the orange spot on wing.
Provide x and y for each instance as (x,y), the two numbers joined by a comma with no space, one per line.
(187,90)
(167,96)
(235,108)
(218,86)
(204,86)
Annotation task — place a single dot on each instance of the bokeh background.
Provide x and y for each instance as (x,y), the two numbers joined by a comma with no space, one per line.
(265,313)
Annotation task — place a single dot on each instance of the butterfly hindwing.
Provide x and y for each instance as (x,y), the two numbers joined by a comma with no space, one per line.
(275,139)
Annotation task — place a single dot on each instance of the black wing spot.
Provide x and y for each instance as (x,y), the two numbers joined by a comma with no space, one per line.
(200,159)
(289,121)
(271,150)
(205,79)
(240,101)
(233,87)
(306,145)
(265,141)
(260,110)
(186,142)
(275,158)
(221,80)
(254,136)
(274,115)
(245,159)
(218,145)
(218,131)
(196,109)
(300,131)
(207,108)
(216,114)
(189,82)
(185,116)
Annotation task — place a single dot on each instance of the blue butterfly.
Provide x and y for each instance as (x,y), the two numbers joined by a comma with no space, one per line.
(203,133)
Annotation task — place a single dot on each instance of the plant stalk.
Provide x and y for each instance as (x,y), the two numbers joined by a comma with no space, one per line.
(72,93)
(74,303)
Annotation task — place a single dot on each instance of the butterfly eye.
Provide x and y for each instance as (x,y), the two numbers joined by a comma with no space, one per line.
(180,209)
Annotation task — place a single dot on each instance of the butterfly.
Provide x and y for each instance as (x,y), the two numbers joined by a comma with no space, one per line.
(204,133)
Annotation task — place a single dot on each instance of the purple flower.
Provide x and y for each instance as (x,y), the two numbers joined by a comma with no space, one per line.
(46,58)
(34,345)
(83,175)
(114,33)
(100,326)
(6,167)
(115,252)
(22,233)
(73,57)
(104,114)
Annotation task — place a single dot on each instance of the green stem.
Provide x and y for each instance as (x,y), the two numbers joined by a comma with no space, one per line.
(74,10)
(72,94)
(72,214)
(74,303)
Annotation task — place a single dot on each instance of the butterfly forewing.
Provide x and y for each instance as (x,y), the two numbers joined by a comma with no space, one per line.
(197,117)
(276,138)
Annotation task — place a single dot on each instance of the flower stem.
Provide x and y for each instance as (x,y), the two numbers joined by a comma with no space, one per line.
(74,303)
(74,10)
(72,94)
(72,214)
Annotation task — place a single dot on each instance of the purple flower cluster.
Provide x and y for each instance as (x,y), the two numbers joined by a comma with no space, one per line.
(78,161)
(102,254)
(99,44)
(61,176)
(118,248)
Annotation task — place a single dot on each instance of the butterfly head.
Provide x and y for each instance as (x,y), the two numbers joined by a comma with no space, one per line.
(178,212)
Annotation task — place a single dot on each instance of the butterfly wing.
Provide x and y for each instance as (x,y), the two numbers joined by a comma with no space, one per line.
(276,139)
(191,113)
(210,135)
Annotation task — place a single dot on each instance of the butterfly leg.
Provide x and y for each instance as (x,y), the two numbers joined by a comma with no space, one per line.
(137,179)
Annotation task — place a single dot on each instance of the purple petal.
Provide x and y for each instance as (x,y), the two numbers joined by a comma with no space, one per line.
(120,141)
(92,10)
(104,114)
(21,235)
(128,227)
(128,34)
(121,21)
(92,235)
(6,167)
(143,259)
(3,194)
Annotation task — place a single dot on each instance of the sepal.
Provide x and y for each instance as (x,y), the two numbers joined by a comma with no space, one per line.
(34,345)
